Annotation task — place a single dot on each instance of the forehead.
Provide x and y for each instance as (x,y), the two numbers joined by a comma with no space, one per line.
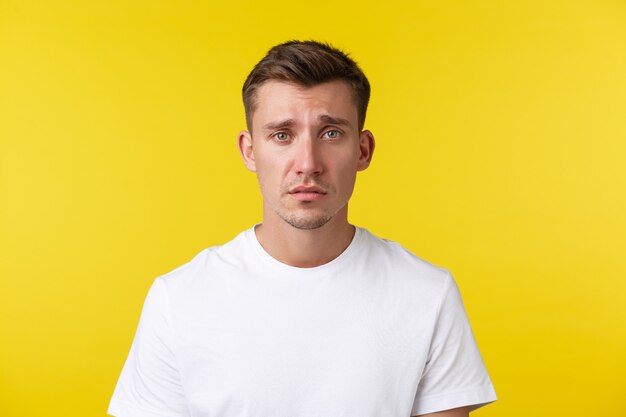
(282,100)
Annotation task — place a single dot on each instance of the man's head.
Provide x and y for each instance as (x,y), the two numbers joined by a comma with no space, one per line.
(306,142)
(306,64)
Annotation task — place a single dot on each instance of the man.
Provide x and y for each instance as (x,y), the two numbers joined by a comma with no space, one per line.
(304,314)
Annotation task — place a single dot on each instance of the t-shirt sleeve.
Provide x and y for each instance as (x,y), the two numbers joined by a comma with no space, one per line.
(150,383)
(454,374)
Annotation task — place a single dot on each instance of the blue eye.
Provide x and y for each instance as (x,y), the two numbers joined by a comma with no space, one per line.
(281,136)
(332,134)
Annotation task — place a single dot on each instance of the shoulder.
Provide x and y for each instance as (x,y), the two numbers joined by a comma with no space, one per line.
(209,261)
(395,255)
(400,264)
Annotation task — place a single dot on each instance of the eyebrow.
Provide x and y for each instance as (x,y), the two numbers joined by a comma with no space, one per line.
(281,124)
(334,120)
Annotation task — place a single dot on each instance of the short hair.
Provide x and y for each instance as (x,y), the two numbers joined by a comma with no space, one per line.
(306,63)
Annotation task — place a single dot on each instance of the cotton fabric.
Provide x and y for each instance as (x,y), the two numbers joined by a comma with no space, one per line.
(376,332)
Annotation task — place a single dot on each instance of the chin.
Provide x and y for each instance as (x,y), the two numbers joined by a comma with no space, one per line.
(307,222)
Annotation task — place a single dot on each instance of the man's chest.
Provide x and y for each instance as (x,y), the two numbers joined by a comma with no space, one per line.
(302,356)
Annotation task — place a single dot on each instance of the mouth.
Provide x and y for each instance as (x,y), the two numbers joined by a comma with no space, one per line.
(311,189)
(307,193)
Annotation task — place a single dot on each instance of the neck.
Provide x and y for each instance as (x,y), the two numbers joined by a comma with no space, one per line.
(305,248)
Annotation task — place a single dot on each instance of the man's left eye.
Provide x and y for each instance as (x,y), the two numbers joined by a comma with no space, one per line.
(332,134)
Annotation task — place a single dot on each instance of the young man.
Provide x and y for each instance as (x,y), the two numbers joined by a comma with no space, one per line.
(304,315)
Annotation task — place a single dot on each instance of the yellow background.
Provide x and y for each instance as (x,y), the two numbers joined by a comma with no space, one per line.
(501,130)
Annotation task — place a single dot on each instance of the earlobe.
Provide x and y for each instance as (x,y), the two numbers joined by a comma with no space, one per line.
(366,145)
(244,141)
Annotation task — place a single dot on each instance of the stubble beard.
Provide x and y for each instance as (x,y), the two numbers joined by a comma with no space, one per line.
(305,223)
(309,220)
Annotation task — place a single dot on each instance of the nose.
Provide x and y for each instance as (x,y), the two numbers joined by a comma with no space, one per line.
(307,159)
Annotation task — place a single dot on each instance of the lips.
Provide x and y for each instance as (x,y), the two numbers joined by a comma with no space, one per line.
(312,189)
(307,193)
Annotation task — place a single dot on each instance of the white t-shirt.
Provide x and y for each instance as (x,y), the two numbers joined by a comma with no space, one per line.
(376,332)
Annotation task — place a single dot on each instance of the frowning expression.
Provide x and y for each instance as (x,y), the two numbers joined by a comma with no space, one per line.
(306,148)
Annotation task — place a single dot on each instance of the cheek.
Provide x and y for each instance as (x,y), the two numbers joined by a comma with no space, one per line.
(347,174)
(349,179)
(269,173)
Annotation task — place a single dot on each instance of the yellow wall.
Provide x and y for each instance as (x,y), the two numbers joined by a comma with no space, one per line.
(501,155)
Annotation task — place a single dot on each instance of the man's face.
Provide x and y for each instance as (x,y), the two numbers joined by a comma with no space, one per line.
(306,149)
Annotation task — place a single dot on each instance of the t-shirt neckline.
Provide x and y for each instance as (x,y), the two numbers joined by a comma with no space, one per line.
(278,265)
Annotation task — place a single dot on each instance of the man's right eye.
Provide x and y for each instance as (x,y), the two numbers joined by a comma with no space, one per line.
(281,136)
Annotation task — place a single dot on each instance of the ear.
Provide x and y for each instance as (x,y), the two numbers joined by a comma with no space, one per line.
(366,145)
(245,148)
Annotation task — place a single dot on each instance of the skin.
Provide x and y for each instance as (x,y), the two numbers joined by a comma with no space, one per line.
(306,149)
(305,137)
